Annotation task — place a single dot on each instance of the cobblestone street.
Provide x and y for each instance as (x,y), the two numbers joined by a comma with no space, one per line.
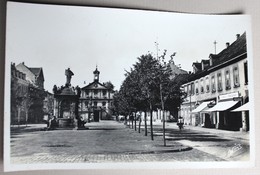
(110,141)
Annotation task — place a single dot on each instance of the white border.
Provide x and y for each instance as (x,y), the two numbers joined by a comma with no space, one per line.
(143,165)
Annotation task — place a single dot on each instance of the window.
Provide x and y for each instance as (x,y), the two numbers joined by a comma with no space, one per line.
(236,76)
(104,103)
(104,92)
(95,104)
(192,88)
(197,87)
(201,86)
(213,84)
(219,81)
(207,84)
(246,73)
(227,79)
(87,92)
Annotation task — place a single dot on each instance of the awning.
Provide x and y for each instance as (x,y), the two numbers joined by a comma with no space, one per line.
(202,106)
(222,106)
(244,107)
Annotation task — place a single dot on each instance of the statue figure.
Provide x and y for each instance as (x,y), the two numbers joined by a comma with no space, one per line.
(78,91)
(55,89)
(68,74)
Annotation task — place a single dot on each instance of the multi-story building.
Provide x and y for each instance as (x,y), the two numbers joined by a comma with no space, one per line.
(29,82)
(19,90)
(96,100)
(216,87)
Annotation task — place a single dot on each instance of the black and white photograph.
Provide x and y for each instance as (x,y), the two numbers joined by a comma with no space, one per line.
(92,87)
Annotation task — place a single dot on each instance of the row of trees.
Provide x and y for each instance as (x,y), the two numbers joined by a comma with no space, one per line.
(148,87)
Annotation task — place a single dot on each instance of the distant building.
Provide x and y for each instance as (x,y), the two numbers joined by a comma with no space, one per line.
(96,100)
(178,76)
(27,92)
(216,87)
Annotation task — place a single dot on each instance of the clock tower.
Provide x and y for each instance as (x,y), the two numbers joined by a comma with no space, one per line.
(96,75)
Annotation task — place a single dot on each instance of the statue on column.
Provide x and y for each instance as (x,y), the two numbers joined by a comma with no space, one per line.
(68,74)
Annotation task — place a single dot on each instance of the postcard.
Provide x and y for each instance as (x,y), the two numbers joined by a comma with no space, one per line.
(108,88)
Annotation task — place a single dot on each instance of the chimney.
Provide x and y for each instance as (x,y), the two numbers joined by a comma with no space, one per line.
(238,35)
(23,63)
(227,44)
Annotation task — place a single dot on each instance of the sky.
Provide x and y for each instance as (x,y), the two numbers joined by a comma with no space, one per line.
(57,37)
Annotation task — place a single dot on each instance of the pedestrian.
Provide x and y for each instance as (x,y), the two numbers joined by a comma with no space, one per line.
(180,122)
(52,123)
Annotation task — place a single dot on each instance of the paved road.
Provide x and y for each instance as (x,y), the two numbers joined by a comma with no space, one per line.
(110,141)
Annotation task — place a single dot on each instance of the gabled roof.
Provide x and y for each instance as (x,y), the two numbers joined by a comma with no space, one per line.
(36,71)
(237,48)
(95,85)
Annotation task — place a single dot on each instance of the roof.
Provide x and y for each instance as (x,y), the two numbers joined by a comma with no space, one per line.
(237,50)
(197,65)
(35,71)
(96,71)
(95,85)
(205,61)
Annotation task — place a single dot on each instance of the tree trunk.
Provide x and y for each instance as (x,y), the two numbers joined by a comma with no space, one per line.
(140,120)
(132,122)
(164,140)
(145,123)
(162,102)
(151,121)
(135,121)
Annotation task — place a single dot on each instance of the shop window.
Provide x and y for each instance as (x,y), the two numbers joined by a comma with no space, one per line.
(236,76)
(227,79)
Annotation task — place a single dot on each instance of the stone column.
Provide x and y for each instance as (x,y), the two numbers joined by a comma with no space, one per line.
(55,108)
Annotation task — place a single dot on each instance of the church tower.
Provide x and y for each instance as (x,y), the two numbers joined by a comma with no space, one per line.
(96,75)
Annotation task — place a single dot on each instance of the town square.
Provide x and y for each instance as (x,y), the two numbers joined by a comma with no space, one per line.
(110,89)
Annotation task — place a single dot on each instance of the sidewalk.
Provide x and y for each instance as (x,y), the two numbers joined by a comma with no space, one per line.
(244,136)
(222,133)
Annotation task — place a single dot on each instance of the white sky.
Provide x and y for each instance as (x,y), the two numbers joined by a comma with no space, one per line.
(57,37)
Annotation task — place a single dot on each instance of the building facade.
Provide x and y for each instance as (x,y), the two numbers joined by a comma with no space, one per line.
(216,87)
(27,94)
(96,100)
